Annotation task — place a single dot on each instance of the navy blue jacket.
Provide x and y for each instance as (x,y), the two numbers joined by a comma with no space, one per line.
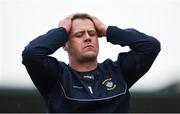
(105,89)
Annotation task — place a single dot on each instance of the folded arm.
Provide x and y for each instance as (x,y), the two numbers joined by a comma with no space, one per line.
(41,67)
(144,50)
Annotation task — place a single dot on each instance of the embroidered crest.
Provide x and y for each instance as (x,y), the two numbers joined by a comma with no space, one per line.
(109,84)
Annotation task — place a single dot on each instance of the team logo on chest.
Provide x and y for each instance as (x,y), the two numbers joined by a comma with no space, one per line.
(109,84)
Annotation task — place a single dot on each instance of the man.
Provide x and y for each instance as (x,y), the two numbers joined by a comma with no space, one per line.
(84,85)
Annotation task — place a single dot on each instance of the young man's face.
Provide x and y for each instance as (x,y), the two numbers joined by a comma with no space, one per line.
(83,42)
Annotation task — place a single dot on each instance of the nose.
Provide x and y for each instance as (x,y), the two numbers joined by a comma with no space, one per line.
(87,37)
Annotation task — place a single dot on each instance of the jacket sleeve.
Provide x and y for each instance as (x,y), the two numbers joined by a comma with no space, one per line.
(143,51)
(42,68)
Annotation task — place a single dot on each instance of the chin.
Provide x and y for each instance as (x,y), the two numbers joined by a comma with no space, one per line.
(89,57)
(90,54)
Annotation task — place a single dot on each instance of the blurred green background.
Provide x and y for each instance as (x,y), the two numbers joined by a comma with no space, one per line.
(30,100)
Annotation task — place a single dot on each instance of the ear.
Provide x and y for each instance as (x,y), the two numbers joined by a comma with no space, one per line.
(66,47)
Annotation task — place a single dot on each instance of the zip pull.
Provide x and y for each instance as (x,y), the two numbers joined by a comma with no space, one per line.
(90,89)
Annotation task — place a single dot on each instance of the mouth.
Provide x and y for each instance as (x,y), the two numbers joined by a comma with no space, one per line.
(89,46)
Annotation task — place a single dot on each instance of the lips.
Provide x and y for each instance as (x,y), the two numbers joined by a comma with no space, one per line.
(89,46)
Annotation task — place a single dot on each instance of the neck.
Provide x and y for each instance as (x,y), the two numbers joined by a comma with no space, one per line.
(83,66)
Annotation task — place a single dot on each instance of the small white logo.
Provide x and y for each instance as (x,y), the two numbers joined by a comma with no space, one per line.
(89,77)
(77,87)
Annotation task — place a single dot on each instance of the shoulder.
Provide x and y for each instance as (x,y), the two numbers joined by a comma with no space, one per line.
(63,65)
(109,64)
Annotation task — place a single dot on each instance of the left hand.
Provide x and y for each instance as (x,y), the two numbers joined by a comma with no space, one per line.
(100,26)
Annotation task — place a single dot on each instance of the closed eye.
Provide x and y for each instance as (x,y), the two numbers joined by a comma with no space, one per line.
(92,33)
(79,34)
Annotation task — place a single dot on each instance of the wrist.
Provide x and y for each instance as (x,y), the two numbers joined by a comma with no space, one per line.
(105,30)
(102,32)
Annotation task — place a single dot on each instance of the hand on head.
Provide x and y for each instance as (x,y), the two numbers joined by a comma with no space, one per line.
(66,23)
(100,27)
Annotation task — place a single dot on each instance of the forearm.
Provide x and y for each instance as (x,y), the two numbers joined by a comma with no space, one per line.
(127,37)
(137,41)
(50,41)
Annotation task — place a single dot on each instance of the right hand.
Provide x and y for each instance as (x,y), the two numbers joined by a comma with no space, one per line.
(66,23)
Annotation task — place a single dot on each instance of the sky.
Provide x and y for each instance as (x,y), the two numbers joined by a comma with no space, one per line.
(23,20)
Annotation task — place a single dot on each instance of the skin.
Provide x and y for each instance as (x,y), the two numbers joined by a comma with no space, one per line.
(82,45)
